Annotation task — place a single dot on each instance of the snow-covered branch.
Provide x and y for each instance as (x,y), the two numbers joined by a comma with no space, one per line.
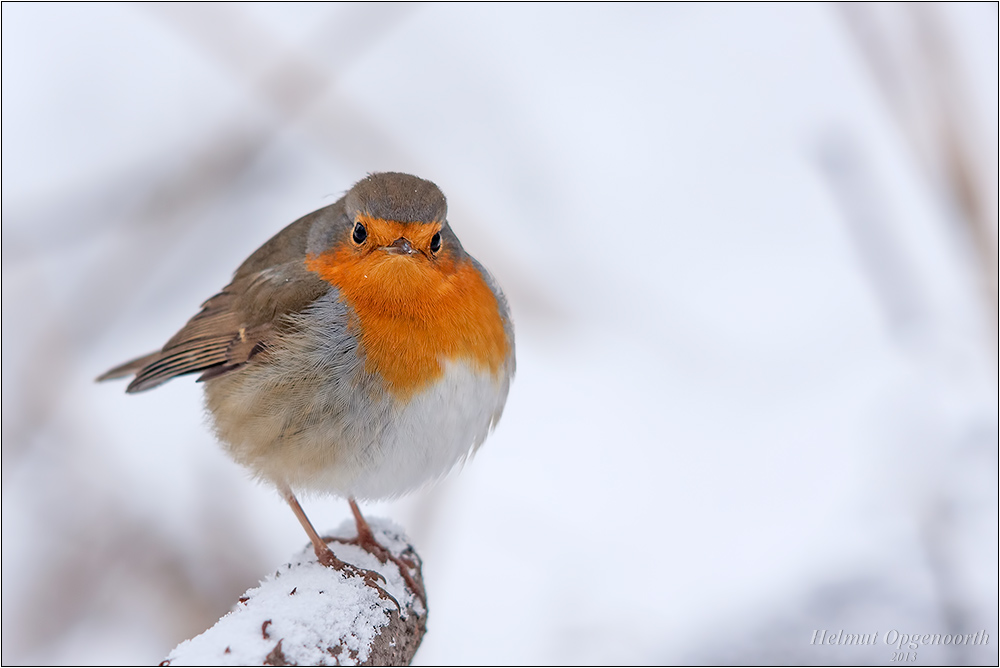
(309,615)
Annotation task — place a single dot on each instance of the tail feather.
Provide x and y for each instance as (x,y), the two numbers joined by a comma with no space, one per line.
(130,368)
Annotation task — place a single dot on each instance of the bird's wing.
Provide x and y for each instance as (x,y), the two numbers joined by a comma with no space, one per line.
(231,327)
(240,321)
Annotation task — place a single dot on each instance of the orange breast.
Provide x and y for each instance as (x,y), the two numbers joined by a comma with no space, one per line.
(413,313)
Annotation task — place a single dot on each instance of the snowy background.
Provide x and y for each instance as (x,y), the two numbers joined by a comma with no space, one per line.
(751,256)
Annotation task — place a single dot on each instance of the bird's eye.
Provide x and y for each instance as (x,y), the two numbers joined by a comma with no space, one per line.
(436,243)
(360,233)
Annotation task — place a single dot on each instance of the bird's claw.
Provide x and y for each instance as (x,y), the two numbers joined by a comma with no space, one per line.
(373,547)
(373,579)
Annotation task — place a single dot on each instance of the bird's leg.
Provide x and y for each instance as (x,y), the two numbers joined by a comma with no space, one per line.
(326,556)
(323,552)
(366,538)
(366,541)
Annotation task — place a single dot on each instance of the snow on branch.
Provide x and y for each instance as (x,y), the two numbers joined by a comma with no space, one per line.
(309,615)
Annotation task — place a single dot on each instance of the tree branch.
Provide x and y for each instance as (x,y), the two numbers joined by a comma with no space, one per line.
(309,615)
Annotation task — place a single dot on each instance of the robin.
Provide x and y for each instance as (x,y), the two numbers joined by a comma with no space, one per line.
(360,351)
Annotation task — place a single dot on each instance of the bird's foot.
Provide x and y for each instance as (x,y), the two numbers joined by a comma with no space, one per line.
(366,541)
(372,579)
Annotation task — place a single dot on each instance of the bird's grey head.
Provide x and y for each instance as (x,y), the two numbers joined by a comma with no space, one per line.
(399,197)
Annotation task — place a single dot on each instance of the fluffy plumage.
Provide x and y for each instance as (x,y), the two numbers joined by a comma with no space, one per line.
(363,369)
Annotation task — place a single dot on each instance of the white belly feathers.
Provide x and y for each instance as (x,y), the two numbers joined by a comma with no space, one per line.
(352,438)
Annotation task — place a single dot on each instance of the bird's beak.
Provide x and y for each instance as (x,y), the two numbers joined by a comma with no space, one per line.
(400,246)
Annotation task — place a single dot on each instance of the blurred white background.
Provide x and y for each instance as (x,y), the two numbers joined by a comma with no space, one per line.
(751,256)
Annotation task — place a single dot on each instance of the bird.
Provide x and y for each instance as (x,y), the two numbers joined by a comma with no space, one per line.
(360,352)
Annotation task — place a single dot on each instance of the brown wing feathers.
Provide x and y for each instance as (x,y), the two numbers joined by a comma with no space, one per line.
(237,323)
(202,343)
(231,328)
